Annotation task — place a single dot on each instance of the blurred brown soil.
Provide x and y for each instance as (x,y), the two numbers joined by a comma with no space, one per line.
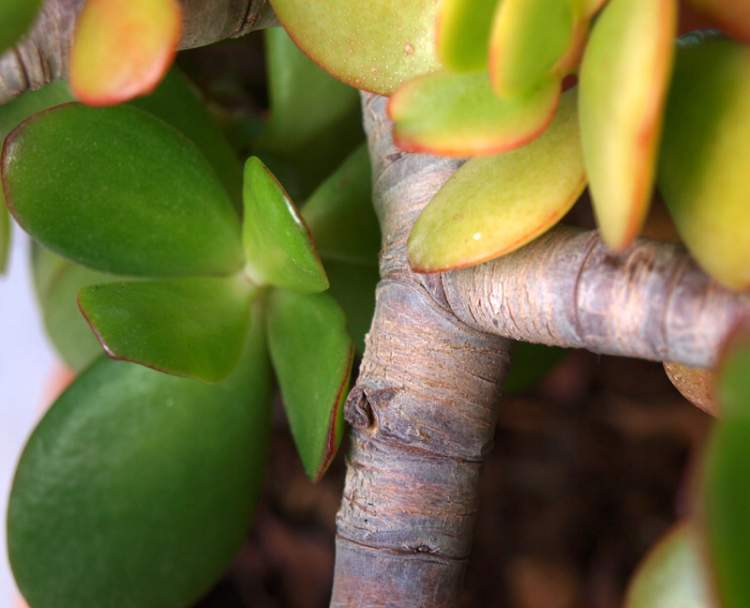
(587,471)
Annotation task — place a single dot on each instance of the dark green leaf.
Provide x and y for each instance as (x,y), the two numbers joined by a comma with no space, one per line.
(121,191)
(341,216)
(16,17)
(279,248)
(312,356)
(315,121)
(353,286)
(529,364)
(57,283)
(4,239)
(179,103)
(137,488)
(187,327)
(726,506)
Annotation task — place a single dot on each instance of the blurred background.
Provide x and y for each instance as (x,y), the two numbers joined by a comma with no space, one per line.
(26,363)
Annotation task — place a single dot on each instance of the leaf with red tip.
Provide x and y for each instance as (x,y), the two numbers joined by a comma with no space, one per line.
(458,115)
(463,33)
(492,206)
(705,155)
(375,46)
(621,110)
(732,16)
(122,48)
(530,40)
(186,327)
(312,355)
(16,17)
(673,575)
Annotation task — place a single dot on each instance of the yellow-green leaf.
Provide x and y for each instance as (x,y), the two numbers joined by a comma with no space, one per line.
(705,155)
(623,86)
(494,205)
(463,33)
(122,48)
(673,575)
(458,115)
(374,46)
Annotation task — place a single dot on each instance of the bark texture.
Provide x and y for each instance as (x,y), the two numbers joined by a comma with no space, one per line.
(422,413)
(42,56)
(567,289)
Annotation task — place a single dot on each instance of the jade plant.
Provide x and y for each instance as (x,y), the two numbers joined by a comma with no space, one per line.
(177,275)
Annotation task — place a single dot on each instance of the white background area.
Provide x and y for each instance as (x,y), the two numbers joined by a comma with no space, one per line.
(26,363)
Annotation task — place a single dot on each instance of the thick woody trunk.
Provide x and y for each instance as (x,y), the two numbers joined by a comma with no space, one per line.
(422,413)
(42,56)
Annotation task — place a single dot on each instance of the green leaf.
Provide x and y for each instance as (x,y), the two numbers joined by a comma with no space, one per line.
(57,283)
(5,236)
(279,248)
(529,41)
(122,49)
(187,327)
(463,33)
(353,287)
(494,205)
(673,575)
(705,155)
(20,108)
(458,115)
(179,103)
(309,110)
(375,46)
(137,488)
(530,364)
(621,110)
(341,216)
(732,377)
(16,17)
(312,356)
(121,191)
(726,506)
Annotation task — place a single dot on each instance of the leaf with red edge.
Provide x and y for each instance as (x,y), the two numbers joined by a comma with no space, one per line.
(532,41)
(463,33)
(621,110)
(494,205)
(732,16)
(312,355)
(122,48)
(458,115)
(375,46)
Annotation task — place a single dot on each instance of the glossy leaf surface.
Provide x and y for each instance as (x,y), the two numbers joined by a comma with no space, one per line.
(186,327)
(529,40)
(705,156)
(280,250)
(375,46)
(138,487)
(309,110)
(673,575)
(124,192)
(459,115)
(733,16)
(341,216)
(463,33)
(494,205)
(57,282)
(177,101)
(312,355)
(16,17)
(621,110)
(122,48)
